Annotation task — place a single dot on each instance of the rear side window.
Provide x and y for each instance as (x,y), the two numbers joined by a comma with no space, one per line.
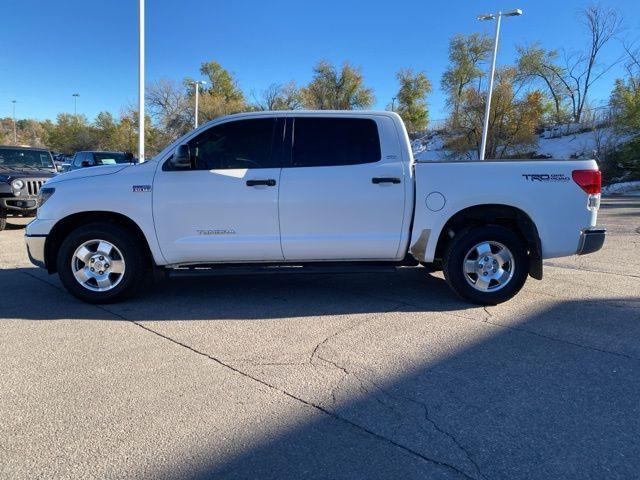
(239,144)
(323,142)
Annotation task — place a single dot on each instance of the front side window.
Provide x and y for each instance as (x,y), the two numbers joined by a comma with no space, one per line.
(321,142)
(241,144)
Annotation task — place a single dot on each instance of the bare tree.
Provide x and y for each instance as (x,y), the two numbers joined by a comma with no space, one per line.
(569,80)
(279,97)
(581,69)
(169,107)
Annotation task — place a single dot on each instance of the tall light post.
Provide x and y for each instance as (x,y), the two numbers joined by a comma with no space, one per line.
(497,17)
(141,114)
(195,115)
(75,104)
(393,104)
(15,131)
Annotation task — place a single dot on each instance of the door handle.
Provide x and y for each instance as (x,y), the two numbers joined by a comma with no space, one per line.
(268,182)
(378,180)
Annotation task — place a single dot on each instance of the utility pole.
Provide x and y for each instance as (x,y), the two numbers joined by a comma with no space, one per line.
(75,104)
(141,115)
(497,17)
(195,115)
(15,131)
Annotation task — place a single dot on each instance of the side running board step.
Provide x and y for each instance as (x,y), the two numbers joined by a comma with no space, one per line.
(200,270)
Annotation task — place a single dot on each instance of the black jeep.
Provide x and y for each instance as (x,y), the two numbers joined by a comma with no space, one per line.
(23,170)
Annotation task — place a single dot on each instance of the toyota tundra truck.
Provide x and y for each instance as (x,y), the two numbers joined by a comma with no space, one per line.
(321,191)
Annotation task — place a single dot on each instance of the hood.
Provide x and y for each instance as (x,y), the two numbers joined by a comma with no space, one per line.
(20,172)
(89,172)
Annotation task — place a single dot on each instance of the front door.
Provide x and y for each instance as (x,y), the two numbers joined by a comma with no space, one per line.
(225,208)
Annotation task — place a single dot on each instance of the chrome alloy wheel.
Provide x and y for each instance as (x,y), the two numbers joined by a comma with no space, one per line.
(489,266)
(98,265)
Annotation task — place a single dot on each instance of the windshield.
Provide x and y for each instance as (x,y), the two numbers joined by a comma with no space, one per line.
(24,158)
(111,158)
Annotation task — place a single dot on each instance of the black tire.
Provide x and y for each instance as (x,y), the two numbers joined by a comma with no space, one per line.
(3,222)
(456,253)
(136,263)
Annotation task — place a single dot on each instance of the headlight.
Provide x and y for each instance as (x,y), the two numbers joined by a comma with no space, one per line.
(17,184)
(44,195)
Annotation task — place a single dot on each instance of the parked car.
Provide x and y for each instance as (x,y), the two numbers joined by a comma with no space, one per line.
(23,171)
(95,159)
(312,191)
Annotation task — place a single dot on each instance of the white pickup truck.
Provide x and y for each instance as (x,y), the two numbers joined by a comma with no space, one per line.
(312,192)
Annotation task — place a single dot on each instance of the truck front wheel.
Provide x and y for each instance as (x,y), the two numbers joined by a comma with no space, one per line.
(101,262)
(487,265)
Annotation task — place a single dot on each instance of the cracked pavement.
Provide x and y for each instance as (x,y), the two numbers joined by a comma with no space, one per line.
(327,377)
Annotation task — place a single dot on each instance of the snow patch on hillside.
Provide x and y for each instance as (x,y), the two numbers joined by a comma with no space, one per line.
(429,148)
(627,188)
(578,145)
(581,145)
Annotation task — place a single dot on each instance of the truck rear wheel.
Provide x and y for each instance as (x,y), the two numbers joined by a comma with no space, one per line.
(100,263)
(487,265)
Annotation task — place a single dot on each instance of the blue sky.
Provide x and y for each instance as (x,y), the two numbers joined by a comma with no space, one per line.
(51,49)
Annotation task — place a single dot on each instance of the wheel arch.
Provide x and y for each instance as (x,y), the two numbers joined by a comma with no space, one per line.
(67,224)
(504,215)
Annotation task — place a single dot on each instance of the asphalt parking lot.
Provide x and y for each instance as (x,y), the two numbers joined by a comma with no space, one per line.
(331,377)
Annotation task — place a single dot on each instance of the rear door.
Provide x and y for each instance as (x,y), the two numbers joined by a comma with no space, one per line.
(225,209)
(342,190)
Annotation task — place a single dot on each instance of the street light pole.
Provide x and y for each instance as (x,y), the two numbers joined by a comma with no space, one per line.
(195,121)
(195,116)
(141,115)
(15,132)
(75,104)
(393,104)
(497,17)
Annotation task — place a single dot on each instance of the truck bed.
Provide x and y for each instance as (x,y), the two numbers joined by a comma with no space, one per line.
(542,189)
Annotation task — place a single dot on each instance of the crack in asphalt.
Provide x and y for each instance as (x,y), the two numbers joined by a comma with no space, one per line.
(397,397)
(346,373)
(554,339)
(315,354)
(444,465)
(580,269)
(310,404)
(341,331)
(500,325)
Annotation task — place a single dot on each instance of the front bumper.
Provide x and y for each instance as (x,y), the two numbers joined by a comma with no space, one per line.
(18,204)
(35,249)
(591,240)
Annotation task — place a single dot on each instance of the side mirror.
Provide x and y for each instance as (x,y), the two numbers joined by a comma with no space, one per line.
(181,159)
